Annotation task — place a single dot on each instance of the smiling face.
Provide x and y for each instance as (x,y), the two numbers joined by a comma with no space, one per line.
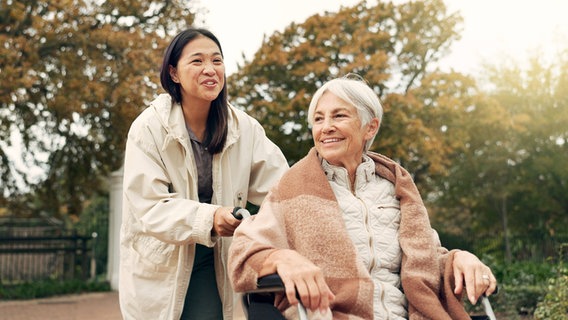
(338,135)
(200,71)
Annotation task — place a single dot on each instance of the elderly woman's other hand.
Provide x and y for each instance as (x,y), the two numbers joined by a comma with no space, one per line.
(476,276)
(300,276)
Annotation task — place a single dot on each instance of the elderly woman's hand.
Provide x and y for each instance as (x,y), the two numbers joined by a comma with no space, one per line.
(300,276)
(476,276)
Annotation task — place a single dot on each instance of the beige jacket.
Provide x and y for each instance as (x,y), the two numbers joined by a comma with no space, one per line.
(302,213)
(371,213)
(162,219)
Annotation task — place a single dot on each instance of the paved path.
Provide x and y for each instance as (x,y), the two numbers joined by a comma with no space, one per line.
(88,306)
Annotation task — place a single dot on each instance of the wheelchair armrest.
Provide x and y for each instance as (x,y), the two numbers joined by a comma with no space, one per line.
(269,283)
(260,301)
(264,294)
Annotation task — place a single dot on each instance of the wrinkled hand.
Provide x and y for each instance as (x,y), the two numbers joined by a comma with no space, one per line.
(224,223)
(476,276)
(301,276)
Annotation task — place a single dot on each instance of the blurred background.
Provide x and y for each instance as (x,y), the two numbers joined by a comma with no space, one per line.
(476,108)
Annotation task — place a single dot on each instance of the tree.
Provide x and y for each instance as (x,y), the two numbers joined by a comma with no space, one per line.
(74,75)
(479,153)
(391,46)
(512,177)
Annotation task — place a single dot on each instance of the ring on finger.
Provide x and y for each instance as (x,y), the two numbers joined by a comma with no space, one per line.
(485,277)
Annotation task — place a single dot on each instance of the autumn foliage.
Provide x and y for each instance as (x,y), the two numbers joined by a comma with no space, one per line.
(74,75)
(489,154)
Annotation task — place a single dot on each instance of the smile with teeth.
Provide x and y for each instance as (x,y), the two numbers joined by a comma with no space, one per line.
(331,140)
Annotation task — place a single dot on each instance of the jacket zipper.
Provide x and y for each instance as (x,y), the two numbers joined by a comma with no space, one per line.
(371,244)
(382,299)
(382,295)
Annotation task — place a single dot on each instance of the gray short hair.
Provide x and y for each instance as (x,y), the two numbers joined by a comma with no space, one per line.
(354,90)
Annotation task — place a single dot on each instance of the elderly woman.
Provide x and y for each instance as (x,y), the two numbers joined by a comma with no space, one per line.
(347,230)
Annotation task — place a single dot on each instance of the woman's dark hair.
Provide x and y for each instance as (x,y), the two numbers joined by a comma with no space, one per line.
(218,114)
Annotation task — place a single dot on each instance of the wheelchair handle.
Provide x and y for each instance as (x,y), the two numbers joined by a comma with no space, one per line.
(240,213)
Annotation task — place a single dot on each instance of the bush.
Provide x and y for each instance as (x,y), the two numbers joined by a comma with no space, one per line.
(522,285)
(512,302)
(48,288)
(555,303)
(95,219)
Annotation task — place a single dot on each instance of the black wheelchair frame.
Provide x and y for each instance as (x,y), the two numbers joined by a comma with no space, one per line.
(259,304)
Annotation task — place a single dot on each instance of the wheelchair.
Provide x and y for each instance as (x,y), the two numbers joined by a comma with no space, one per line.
(259,304)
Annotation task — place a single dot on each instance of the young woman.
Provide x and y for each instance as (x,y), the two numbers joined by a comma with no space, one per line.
(190,159)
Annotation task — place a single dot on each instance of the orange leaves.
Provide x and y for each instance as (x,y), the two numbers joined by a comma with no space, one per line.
(74,64)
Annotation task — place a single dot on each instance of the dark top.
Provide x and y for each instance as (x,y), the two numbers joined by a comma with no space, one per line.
(202,301)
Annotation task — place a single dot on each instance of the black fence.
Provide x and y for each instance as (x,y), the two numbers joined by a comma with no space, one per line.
(24,259)
(33,250)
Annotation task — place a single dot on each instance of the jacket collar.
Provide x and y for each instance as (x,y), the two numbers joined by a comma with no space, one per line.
(364,173)
(171,118)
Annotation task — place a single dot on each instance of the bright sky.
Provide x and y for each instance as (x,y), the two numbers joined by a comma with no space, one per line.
(493,29)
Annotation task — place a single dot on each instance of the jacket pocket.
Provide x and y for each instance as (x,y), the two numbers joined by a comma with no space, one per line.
(155,251)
